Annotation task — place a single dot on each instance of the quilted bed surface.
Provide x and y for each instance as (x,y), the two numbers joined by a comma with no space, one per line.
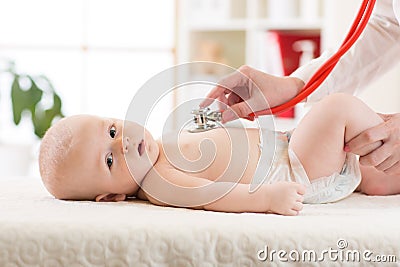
(37,230)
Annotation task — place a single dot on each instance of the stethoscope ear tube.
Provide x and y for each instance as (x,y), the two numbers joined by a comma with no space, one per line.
(323,72)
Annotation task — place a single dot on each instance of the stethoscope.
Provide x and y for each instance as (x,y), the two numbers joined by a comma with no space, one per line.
(322,73)
(205,119)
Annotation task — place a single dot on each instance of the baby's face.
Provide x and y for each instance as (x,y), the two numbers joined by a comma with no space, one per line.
(102,148)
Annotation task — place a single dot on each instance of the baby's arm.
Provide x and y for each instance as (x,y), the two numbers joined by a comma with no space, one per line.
(183,190)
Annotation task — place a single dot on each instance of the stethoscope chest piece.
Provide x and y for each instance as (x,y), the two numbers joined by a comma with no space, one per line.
(205,120)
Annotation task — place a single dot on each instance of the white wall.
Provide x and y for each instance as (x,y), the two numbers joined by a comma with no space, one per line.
(96,54)
(384,94)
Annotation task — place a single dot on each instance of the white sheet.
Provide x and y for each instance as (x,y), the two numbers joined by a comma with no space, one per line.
(37,230)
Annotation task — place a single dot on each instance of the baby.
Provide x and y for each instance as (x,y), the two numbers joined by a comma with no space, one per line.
(91,158)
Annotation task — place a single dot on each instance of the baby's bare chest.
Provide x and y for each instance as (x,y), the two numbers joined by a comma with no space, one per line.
(216,154)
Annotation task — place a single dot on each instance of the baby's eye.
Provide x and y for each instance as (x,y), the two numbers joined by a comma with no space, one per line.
(109,160)
(113,131)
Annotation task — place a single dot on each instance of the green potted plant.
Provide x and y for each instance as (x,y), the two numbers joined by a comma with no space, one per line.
(33,99)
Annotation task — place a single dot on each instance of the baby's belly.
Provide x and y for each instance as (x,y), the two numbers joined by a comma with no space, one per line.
(217,155)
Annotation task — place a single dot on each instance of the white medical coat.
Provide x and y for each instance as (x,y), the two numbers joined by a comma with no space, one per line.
(374,53)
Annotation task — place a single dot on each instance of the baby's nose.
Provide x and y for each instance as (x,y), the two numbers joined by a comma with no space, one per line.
(125,144)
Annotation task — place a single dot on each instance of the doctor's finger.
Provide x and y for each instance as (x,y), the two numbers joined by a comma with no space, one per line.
(394,170)
(233,99)
(239,110)
(368,136)
(386,164)
(222,102)
(215,93)
(368,148)
(377,156)
(231,83)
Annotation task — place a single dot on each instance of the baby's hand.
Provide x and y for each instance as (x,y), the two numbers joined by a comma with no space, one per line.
(286,198)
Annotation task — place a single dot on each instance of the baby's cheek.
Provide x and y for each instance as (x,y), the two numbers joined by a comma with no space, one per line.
(126,165)
(124,169)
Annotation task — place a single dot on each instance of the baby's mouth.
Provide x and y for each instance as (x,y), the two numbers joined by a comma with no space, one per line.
(141,147)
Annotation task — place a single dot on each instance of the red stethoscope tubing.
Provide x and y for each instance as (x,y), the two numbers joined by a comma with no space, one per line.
(323,72)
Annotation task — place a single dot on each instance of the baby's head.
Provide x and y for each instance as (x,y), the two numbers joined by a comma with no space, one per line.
(85,157)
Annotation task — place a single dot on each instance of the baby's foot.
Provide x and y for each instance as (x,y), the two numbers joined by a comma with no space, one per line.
(286,198)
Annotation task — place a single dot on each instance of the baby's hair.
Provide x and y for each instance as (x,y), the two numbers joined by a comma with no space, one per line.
(54,150)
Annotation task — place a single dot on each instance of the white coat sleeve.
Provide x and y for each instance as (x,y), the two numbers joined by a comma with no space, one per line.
(375,52)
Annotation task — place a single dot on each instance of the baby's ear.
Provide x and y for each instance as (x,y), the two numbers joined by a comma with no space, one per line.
(110,197)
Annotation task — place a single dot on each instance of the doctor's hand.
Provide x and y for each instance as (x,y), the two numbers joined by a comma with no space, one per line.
(379,146)
(246,90)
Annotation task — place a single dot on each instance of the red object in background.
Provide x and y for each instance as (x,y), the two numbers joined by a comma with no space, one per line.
(290,56)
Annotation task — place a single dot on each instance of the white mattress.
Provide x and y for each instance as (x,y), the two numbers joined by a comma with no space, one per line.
(37,230)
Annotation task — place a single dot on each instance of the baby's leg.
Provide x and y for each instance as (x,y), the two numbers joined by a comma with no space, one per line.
(319,139)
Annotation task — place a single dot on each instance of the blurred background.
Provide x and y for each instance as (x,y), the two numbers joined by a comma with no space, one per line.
(98,53)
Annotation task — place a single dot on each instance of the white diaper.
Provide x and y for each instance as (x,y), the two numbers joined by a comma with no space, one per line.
(287,167)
